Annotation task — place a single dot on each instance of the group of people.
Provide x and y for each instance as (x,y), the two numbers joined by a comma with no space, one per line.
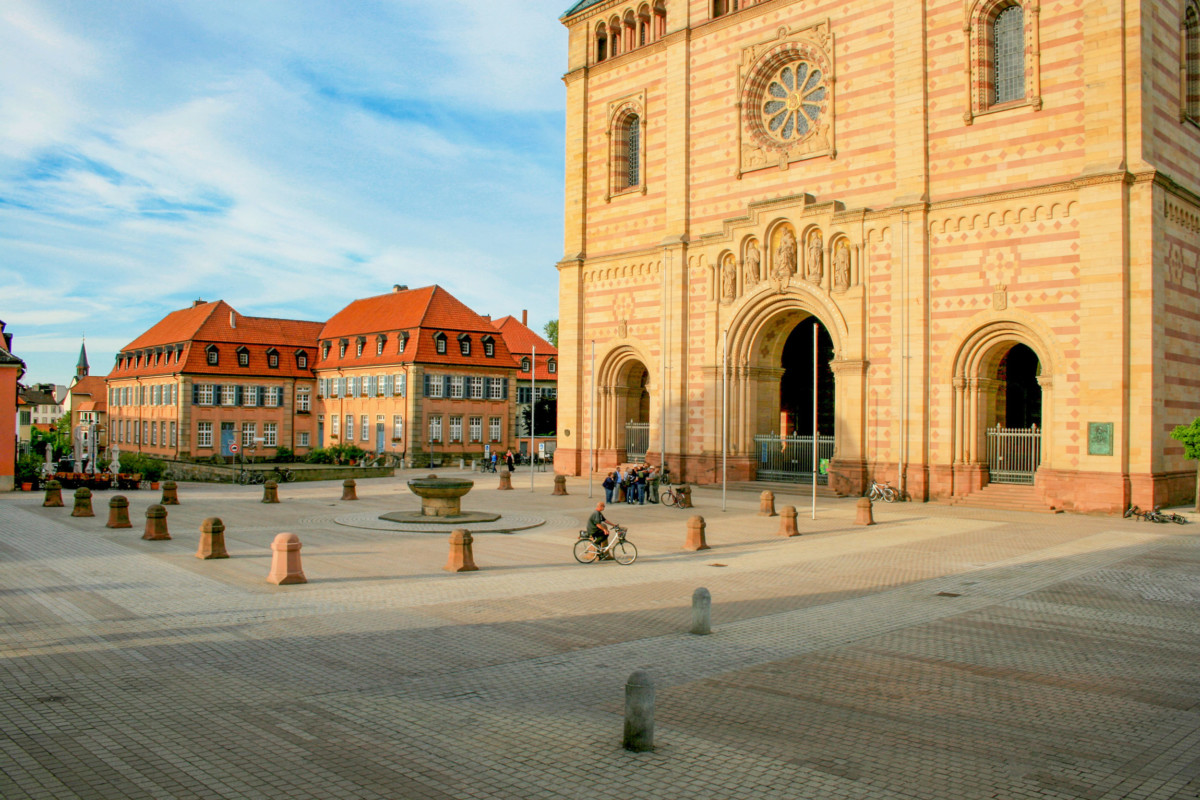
(635,484)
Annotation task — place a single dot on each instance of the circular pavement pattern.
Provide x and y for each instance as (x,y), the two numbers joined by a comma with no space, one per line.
(508,523)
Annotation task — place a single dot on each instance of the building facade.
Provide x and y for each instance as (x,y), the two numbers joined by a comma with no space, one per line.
(11,370)
(416,375)
(974,225)
(208,382)
(537,380)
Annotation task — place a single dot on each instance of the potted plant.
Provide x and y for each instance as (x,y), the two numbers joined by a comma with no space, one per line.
(29,470)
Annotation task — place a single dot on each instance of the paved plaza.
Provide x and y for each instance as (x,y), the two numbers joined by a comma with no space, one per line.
(945,653)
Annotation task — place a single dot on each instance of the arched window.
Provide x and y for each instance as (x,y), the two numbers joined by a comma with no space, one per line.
(614,38)
(630,32)
(601,42)
(645,33)
(631,134)
(660,20)
(1008,54)
(1191,62)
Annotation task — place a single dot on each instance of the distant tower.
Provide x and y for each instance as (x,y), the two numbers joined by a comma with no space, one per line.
(81,366)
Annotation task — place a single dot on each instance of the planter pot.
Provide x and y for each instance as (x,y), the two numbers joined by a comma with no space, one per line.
(26,487)
(154,484)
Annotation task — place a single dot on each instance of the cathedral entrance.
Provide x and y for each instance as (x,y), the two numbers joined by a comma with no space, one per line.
(623,415)
(1014,439)
(785,450)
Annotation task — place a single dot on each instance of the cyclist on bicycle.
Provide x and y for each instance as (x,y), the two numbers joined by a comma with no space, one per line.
(598,528)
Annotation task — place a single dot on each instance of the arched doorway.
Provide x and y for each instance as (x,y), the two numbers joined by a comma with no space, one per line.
(784,442)
(624,412)
(1014,435)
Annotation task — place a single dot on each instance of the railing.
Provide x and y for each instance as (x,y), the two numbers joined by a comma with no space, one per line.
(637,441)
(1013,454)
(790,458)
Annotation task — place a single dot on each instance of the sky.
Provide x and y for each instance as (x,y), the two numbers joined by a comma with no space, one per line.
(286,156)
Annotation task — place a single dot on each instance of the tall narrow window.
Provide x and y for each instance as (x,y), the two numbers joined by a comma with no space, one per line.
(1191,62)
(1008,54)
(632,150)
(601,42)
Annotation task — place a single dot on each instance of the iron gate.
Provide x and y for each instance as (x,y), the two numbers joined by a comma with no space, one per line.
(637,441)
(1013,454)
(790,458)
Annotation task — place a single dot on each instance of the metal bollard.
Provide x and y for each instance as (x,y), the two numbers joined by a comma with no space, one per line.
(701,612)
(639,712)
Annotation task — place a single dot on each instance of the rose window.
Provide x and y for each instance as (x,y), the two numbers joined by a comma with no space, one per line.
(793,101)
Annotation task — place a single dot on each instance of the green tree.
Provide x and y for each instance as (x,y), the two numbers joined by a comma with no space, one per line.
(551,330)
(1190,436)
(547,417)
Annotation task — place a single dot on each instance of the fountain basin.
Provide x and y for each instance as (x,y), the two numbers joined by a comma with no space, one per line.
(440,497)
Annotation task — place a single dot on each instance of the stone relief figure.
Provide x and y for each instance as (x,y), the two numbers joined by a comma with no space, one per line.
(752,264)
(814,267)
(841,266)
(729,279)
(785,260)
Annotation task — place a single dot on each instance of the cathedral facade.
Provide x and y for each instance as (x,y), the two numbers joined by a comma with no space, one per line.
(945,244)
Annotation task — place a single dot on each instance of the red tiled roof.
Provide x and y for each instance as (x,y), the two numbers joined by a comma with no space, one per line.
(91,385)
(218,324)
(421,313)
(521,341)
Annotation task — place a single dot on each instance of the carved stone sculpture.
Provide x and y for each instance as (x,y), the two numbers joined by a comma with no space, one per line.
(729,279)
(785,261)
(841,266)
(814,266)
(752,267)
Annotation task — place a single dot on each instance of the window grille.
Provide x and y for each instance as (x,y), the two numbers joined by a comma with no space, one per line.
(1008,54)
(632,151)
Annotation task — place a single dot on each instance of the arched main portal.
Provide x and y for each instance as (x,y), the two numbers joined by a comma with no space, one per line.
(624,412)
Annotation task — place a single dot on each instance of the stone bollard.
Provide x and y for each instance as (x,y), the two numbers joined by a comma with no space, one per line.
(53,494)
(348,489)
(701,612)
(787,522)
(695,534)
(170,496)
(766,504)
(285,560)
(156,524)
(118,512)
(505,479)
(83,503)
(864,516)
(270,492)
(461,558)
(212,539)
(639,712)
(560,485)
(685,496)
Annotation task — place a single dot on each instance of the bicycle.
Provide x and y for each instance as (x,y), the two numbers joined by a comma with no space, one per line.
(247,476)
(618,548)
(668,496)
(881,491)
(284,474)
(1159,516)
(488,466)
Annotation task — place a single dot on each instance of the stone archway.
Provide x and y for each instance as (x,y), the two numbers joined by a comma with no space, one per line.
(623,408)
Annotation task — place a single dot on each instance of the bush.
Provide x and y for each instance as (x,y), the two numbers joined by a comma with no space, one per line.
(151,469)
(29,469)
(319,455)
(284,455)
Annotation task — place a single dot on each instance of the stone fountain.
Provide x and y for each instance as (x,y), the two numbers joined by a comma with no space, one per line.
(441,503)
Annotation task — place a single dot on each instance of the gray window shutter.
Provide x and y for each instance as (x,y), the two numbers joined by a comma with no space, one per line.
(445,386)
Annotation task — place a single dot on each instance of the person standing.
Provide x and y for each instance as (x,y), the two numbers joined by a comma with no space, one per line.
(641,485)
(610,482)
(509,461)
(652,484)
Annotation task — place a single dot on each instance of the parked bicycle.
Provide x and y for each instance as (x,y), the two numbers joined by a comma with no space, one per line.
(1155,515)
(249,476)
(668,496)
(284,474)
(488,466)
(618,548)
(881,491)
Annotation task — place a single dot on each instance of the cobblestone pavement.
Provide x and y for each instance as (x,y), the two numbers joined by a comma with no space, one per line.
(946,653)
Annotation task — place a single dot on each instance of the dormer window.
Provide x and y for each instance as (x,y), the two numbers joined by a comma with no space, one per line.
(243,356)
(524,365)
(380,341)
(273,358)
(551,366)
(489,346)
(212,354)
(342,348)
(325,351)
(301,359)
(439,341)
(401,341)
(464,344)
(359,344)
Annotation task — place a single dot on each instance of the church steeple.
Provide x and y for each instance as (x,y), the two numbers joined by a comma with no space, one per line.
(81,367)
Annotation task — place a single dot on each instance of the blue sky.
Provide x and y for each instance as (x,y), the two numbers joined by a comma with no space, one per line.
(285,156)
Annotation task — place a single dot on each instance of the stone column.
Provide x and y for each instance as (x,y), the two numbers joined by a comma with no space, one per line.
(118,512)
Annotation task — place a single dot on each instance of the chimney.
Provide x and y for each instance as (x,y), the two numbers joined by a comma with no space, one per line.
(399,287)
(197,302)
(525,317)
(488,317)
(232,319)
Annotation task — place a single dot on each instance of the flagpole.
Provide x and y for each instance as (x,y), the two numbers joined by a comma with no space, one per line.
(592,435)
(814,427)
(532,412)
(724,415)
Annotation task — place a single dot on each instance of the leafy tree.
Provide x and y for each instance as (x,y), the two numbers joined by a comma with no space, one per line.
(551,330)
(1190,436)
(546,419)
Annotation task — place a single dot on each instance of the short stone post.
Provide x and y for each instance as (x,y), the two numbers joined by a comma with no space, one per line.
(83,503)
(685,496)
(695,534)
(560,485)
(270,492)
(156,524)
(170,496)
(787,522)
(701,612)
(53,494)
(118,512)
(864,516)
(766,504)
(461,558)
(349,491)
(639,712)
(505,479)
(285,560)
(212,539)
